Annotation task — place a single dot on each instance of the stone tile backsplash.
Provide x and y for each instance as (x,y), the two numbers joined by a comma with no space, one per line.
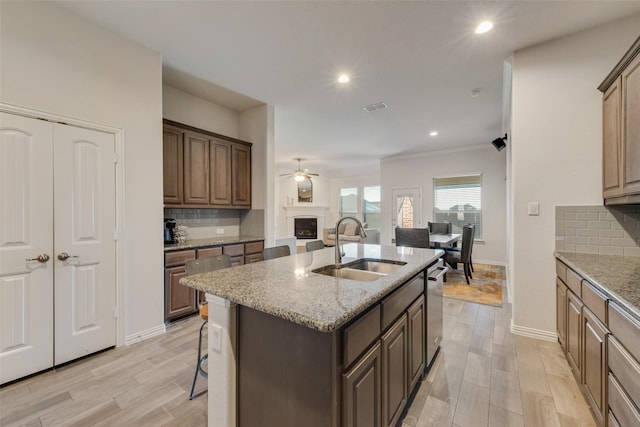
(206,223)
(606,230)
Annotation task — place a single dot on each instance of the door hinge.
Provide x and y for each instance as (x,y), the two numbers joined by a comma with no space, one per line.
(115,312)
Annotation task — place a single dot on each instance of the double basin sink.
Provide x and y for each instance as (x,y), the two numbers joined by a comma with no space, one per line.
(364,269)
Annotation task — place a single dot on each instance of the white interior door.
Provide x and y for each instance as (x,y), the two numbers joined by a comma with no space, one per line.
(84,212)
(26,230)
(407,208)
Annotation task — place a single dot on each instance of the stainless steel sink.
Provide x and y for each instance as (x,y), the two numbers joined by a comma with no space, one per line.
(364,270)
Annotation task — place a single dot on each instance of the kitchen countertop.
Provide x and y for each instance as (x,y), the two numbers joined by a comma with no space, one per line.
(211,241)
(615,276)
(287,288)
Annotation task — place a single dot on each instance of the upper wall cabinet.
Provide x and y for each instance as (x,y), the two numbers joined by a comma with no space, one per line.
(621,130)
(205,170)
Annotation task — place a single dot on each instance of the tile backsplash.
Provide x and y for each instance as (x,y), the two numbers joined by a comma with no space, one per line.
(206,223)
(606,230)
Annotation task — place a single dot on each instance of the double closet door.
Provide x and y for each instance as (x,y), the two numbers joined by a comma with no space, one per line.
(57,244)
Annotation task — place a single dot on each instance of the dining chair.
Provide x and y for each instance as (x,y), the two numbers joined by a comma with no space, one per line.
(463,256)
(439,227)
(276,252)
(314,245)
(413,237)
(198,266)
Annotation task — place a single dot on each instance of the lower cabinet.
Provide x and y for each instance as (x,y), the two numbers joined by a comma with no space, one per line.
(574,329)
(180,301)
(395,378)
(594,363)
(561,311)
(416,317)
(362,392)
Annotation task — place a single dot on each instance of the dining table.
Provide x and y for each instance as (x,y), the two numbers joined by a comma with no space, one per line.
(442,241)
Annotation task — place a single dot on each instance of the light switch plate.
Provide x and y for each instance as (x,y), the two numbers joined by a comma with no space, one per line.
(534,208)
(216,337)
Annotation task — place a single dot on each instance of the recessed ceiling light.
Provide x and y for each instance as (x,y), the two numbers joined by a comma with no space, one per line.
(433,133)
(343,78)
(484,27)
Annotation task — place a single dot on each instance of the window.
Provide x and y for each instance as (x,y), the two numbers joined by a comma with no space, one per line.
(458,200)
(371,207)
(348,202)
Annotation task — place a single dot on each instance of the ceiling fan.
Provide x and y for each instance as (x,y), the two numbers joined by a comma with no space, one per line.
(299,174)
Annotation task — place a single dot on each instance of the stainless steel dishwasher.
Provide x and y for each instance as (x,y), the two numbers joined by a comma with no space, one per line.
(433,289)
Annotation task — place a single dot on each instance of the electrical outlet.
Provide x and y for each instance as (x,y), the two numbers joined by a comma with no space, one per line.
(534,208)
(216,337)
(220,230)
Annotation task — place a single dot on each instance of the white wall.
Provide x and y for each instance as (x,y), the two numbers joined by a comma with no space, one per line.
(556,148)
(55,62)
(419,171)
(188,109)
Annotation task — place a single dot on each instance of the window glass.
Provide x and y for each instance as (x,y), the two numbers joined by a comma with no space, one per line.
(348,202)
(458,200)
(371,206)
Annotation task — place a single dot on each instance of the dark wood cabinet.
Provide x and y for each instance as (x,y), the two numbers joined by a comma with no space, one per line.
(181,300)
(172,158)
(196,169)
(417,341)
(594,368)
(205,170)
(220,175)
(362,388)
(561,312)
(241,172)
(574,334)
(621,130)
(395,372)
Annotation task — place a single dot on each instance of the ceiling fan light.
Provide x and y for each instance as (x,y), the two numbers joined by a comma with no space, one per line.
(298,177)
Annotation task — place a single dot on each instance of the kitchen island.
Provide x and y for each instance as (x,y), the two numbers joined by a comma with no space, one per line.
(288,346)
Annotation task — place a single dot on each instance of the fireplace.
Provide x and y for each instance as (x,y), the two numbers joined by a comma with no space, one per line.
(306,228)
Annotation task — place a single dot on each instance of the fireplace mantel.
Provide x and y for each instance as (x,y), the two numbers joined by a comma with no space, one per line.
(297,211)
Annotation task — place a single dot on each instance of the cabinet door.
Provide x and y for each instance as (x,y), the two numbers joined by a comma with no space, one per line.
(631,127)
(416,318)
(574,328)
(178,300)
(219,173)
(594,363)
(172,161)
(361,391)
(611,150)
(241,170)
(395,373)
(561,312)
(196,169)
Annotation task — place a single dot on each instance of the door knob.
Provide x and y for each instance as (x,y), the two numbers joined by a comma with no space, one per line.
(63,256)
(39,258)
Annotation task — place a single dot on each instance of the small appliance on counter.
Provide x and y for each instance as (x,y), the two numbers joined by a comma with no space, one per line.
(169,231)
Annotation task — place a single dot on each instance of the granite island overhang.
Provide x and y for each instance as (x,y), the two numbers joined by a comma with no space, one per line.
(288,290)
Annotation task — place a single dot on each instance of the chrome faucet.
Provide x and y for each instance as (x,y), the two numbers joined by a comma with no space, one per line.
(339,253)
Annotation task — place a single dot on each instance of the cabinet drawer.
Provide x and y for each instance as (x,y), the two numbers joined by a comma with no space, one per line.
(561,271)
(625,329)
(574,282)
(251,258)
(397,302)
(171,259)
(253,247)
(595,300)
(358,336)
(209,252)
(233,250)
(623,409)
(625,368)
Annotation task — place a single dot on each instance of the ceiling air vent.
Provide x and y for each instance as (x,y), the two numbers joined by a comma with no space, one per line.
(373,107)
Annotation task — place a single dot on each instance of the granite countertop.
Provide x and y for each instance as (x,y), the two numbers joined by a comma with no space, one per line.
(211,241)
(617,277)
(287,288)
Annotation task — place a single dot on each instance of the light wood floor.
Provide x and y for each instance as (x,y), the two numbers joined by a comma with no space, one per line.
(483,376)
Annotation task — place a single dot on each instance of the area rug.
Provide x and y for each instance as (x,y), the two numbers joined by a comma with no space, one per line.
(484,288)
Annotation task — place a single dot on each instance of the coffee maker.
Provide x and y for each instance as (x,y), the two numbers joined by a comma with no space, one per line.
(169,233)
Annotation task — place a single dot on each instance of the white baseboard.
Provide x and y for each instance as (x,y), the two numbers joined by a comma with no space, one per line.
(143,335)
(538,334)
